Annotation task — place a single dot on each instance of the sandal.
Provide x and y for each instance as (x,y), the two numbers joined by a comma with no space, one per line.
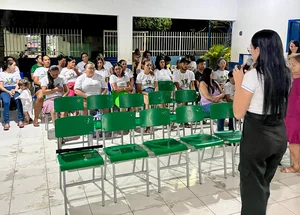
(36,124)
(6,127)
(289,170)
(20,124)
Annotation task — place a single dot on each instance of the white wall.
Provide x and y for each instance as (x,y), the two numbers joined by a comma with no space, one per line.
(256,15)
(192,9)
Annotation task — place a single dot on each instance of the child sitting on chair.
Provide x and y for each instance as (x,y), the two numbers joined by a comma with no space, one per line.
(26,99)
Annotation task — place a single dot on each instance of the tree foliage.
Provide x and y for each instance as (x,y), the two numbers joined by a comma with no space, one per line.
(216,52)
(154,24)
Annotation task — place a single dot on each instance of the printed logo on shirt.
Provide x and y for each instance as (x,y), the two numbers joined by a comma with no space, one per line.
(9,80)
(148,81)
(185,82)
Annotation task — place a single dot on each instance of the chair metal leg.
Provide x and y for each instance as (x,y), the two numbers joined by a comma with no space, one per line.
(105,166)
(225,163)
(199,167)
(143,164)
(213,153)
(114,183)
(97,136)
(134,163)
(65,193)
(102,186)
(169,160)
(60,179)
(46,122)
(94,173)
(233,160)
(158,175)
(187,168)
(147,177)
(179,159)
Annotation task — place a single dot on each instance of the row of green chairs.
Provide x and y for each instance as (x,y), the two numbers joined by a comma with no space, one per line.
(133,151)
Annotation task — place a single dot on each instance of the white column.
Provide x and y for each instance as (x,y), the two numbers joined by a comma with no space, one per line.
(125,26)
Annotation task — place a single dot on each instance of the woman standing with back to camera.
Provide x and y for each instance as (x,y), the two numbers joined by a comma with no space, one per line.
(261,97)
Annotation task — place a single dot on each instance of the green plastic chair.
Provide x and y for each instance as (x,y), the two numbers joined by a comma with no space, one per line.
(95,102)
(222,111)
(166,146)
(166,86)
(116,97)
(198,142)
(77,158)
(132,101)
(185,96)
(120,121)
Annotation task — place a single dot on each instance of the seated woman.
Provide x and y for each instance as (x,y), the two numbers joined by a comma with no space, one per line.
(90,83)
(120,83)
(146,82)
(9,79)
(53,87)
(210,91)
(129,73)
(70,74)
(39,73)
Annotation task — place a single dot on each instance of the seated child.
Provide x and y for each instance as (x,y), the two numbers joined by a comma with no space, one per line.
(26,99)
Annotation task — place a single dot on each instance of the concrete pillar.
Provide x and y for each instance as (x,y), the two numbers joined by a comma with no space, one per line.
(125,26)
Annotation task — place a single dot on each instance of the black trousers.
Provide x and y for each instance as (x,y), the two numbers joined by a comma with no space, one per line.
(263,145)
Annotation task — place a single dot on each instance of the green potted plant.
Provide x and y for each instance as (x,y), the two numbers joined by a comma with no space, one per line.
(216,52)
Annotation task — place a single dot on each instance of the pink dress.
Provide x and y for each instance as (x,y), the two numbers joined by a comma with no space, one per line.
(292,120)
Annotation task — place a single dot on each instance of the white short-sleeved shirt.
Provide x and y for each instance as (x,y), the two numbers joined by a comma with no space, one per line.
(103,72)
(40,72)
(129,73)
(163,75)
(146,80)
(252,84)
(121,82)
(229,89)
(68,74)
(9,79)
(80,66)
(58,82)
(184,79)
(90,86)
(107,65)
(221,76)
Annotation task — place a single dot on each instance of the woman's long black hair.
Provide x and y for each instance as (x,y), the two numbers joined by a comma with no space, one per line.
(211,86)
(272,72)
(50,78)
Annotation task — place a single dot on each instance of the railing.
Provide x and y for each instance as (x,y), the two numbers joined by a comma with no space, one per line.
(170,43)
(31,42)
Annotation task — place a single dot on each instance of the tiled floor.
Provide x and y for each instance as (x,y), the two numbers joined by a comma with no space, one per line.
(29,184)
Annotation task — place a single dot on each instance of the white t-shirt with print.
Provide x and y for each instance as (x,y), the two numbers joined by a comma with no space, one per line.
(129,73)
(121,82)
(107,65)
(146,80)
(9,79)
(58,82)
(163,75)
(184,79)
(68,74)
(221,76)
(40,72)
(252,84)
(90,86)
(103,72)
(229,89)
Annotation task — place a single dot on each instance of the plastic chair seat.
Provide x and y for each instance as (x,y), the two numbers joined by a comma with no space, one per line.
(98,124)
(125,152)
(80,159)
(137,121)
(200,141)
(173,117)
(165,146)
(229,136)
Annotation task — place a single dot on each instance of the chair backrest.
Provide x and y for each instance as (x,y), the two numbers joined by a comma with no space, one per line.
(68,104)
(192,113)
(221,110)
(159,97)
(118,121)
(185,96)
(99,102)
(166,86)
(154,117)
(131,100)
(74,126)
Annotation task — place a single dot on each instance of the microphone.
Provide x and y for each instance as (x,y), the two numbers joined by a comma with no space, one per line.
(248,64)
